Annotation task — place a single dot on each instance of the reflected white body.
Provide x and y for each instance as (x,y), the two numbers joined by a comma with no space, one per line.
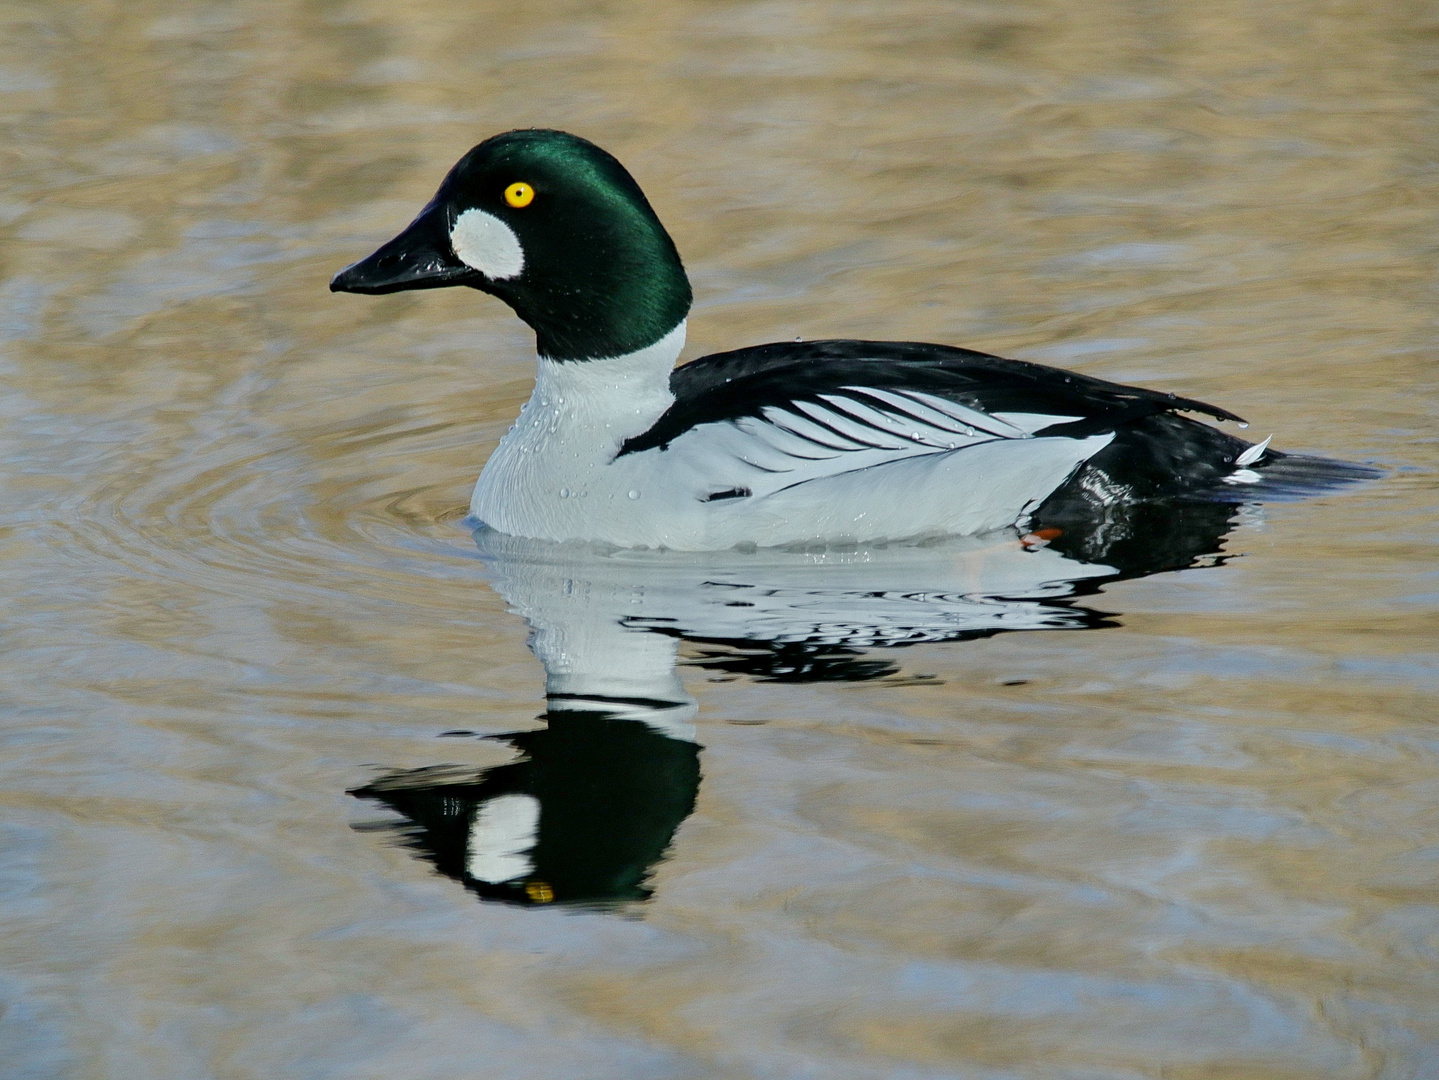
(558,473)
(607,623)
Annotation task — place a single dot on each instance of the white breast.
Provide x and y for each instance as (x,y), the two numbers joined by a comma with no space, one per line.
(557,476)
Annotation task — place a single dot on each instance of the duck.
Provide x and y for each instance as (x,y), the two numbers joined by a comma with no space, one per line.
(786,443)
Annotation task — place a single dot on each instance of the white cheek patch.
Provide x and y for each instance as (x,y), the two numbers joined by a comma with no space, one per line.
(485,243)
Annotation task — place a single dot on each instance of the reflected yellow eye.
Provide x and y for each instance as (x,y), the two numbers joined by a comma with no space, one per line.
(520,194)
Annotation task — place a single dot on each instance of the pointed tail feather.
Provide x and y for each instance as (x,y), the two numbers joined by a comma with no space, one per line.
(1298,476)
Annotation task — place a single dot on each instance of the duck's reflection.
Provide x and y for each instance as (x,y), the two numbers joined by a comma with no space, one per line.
(594,799)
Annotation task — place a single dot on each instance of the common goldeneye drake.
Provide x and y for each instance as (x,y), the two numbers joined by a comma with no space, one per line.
(794,442)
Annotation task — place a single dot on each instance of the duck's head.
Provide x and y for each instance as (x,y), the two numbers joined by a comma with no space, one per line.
(556,228)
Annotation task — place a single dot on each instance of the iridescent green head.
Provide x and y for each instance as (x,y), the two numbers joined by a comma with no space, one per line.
(556,228)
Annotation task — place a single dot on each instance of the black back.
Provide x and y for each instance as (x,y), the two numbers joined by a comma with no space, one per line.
(730,385)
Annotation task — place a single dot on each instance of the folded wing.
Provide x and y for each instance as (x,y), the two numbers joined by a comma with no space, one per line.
(759,420)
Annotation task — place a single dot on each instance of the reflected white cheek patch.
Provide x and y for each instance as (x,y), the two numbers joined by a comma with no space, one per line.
(503,832)
(485,243)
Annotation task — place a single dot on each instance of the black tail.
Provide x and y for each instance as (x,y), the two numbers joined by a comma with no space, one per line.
(1298,476)
(1167,455)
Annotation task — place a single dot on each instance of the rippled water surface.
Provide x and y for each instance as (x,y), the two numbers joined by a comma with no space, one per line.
(283,792)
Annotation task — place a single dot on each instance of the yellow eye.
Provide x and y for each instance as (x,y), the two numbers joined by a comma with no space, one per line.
(520,194)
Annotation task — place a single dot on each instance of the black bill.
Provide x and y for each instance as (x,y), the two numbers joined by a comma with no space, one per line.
(419,258)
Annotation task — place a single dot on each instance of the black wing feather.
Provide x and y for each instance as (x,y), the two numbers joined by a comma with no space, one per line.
(731,385)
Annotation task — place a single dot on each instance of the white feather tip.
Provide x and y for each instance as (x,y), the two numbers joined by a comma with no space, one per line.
(1253,454)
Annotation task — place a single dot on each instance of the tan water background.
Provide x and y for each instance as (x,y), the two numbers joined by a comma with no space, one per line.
(1203,844)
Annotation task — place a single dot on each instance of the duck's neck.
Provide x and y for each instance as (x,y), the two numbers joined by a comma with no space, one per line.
(620,395)
(549,475)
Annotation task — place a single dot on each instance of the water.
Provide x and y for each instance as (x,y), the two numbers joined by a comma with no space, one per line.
(1169,823)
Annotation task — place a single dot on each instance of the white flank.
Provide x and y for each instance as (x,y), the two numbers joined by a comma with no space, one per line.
(504,830)
(485,243)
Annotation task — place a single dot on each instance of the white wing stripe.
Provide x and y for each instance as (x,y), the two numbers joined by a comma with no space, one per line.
(907,406)
(807,429)
(965,415)
(791,444)
(912,406)
(741,440)
(905,429)
(865,414)
(850,429)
